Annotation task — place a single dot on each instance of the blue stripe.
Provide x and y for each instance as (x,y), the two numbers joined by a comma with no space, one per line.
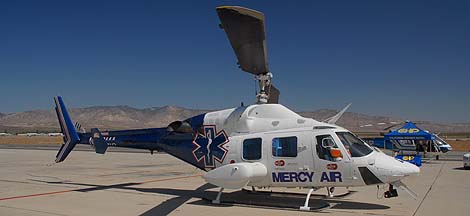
(196,121)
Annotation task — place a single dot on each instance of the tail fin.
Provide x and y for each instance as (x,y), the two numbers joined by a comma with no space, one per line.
(71,137)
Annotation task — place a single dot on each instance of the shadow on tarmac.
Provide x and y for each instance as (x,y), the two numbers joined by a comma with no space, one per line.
(262,199)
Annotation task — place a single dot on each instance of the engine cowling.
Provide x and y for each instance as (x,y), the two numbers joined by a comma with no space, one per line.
(180,127)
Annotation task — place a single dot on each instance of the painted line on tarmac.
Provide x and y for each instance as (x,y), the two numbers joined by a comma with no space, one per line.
(34,195)
(429,189)
(66,191)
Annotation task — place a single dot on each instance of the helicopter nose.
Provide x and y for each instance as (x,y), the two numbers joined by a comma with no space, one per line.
(409,169)
(391,169)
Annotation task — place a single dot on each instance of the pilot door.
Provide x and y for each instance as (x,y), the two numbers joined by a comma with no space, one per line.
(333,163)
(291,157)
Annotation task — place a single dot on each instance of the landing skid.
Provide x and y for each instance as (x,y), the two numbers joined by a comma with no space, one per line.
(272,200)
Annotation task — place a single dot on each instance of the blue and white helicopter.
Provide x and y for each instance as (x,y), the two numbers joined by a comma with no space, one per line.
(261,145)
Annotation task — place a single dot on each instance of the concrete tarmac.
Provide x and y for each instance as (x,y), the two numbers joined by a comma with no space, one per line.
(132,183)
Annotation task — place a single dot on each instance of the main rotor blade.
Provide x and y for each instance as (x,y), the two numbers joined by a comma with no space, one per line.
(245,30)
(392,126)
(273,95)
(335,118)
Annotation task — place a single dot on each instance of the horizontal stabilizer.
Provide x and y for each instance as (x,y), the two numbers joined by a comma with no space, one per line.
(98,142)
(71,137)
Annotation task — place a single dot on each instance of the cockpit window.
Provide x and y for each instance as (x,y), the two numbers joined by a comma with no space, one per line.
(355,146)
(325,145)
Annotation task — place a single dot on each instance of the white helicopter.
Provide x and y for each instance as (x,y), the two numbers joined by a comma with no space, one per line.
(260,145)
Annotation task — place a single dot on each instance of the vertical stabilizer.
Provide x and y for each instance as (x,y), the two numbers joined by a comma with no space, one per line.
(71,137)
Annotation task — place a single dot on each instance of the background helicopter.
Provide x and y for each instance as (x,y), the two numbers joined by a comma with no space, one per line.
(260,145)
(433,147)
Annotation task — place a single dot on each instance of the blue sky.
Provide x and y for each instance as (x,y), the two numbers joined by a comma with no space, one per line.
(408,59)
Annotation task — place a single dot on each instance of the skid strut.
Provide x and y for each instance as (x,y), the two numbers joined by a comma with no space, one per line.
(217,199)
(330,190)
(306,207)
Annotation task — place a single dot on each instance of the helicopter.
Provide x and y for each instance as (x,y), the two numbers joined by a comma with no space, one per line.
(411,140)
(261,145)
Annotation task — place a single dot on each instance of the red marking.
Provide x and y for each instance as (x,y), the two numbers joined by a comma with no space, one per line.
(66,191)
(279,163)
(232,161)
(167,179)
(332,166)
(33,195)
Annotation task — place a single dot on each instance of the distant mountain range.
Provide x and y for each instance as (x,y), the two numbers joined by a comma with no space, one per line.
(125,117)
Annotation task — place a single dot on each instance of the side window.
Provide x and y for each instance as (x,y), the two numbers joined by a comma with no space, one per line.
(252,149)
(285,147)
(327,148)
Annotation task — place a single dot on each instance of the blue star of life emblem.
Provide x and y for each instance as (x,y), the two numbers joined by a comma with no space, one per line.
(209,146)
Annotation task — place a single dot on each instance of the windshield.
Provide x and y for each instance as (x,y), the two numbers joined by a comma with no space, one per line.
(355,146)
(439,141)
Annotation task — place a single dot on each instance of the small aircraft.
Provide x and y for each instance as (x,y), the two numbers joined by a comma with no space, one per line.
(30,134)
(54,134)
(260,145)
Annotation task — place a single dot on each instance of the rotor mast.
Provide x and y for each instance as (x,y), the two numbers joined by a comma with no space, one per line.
(264,81)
